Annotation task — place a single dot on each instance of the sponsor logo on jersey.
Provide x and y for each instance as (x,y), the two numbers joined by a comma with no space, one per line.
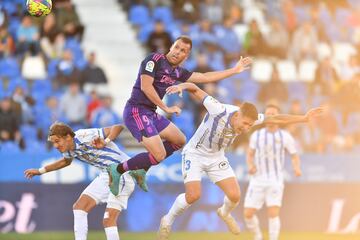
(150,66)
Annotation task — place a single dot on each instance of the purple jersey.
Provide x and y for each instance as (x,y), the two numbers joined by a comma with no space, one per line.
(157,66)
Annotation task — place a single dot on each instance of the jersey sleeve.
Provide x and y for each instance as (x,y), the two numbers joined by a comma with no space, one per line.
(184,75)
(213,106)
(252,142)
(67,155)
(87,135)
(149,64)
(289,143)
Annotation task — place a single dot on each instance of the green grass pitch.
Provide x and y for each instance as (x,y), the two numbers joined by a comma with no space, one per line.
(175,236)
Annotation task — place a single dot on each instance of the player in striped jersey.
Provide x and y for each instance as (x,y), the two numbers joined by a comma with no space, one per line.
(265,160)
(95,147)
(205,153)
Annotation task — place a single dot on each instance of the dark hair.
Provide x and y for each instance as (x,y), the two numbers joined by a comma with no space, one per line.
(185,39)
(271,105)
(249,110)
(61,130)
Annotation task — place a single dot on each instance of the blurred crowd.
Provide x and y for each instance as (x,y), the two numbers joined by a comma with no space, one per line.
(306,54)
(46,76)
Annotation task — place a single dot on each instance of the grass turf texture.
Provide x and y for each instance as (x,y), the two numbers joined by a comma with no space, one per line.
(176,236)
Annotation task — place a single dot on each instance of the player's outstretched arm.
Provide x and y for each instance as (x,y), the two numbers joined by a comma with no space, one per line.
(194,90)
(250,161)
(292,119)
(241,65)
(110,133)
(296,165)
(29,173)
(149,90)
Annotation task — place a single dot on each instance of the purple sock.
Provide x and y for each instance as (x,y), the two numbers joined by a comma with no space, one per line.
(141,161)
(170,148)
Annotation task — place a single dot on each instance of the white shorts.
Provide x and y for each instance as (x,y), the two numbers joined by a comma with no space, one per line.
(257,194)
(99,190)
(216,168)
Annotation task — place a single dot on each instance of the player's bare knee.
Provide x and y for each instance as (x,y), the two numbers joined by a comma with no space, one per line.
(234,197)
(109,219)
(248,213)
(192,197)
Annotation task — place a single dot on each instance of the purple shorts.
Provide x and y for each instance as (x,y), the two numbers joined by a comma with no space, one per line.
(142,121)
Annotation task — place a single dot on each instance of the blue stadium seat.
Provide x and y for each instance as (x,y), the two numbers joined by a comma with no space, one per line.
(34,147)
(9,147)
(28,132)
(17,82)
(52,67)
(139,15)
(145,31)
(9,67)
(185,122)
(162,13)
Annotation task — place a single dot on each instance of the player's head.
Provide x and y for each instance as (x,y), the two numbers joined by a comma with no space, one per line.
(271,110)
(61,136)
(247,116)
(179,51)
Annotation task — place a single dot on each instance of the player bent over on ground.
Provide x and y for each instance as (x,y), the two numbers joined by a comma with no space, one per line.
(157,134)
(95,147)
(265,160)
(205,153)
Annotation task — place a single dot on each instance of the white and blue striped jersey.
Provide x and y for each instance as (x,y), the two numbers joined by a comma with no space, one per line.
(269,156)
(214,133)
(100,158)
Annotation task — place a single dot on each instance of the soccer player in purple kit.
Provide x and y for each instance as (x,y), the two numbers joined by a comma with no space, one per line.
(158,135)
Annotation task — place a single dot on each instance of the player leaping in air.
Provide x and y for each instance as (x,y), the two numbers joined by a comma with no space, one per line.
(93,146)
(159,136)
(205,153)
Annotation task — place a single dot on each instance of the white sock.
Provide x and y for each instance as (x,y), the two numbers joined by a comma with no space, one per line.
(274,228)
(253,225)
(178,207)
(228,206)
(112,233)
(80,224)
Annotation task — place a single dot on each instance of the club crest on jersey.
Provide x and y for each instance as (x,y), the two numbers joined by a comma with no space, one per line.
(223,165)
(150,66)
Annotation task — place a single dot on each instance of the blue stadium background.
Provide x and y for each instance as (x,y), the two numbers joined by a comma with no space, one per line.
(48,74)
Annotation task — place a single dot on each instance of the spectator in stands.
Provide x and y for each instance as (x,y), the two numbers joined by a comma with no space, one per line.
(27,34)
(206,34)
(187,10)
(93,74)
(349,69)
(304,43)
(277,40)
(298,131)
(73,106)
(288,13)
(326,79)
(229,41)
(25,104)
(66,70)
(212,10)
(93,105)
(47,115)
(105,114)
(275,89)
(9,122)
(52,40)
(33,65)
(7,45)
(254,42)
(159,40)
(317,23)
(67,20)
